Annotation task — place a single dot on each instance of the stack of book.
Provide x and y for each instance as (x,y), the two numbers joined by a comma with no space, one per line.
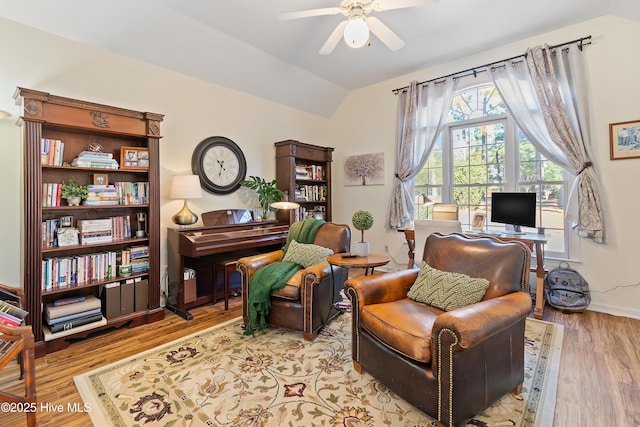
(301,172)
(73,314)
(95,159)
(139,259)
(51,151)
(94,231)
(102,195)
(11,315)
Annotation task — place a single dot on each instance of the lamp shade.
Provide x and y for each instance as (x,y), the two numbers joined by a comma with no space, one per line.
(185,187)
(356,33)
(423,199)
(285,203)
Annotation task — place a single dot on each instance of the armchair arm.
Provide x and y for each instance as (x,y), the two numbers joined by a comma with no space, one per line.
(316,273)
(250,264)
(12,333)
(379,288)
(476,322)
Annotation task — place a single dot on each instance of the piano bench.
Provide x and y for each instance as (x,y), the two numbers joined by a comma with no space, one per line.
(225,268)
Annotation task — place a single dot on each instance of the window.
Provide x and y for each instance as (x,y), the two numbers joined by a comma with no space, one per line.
(481,151)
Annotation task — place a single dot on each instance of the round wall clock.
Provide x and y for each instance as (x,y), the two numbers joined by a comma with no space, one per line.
(220,164)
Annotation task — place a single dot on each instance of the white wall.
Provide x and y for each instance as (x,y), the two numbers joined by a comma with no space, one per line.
(366,123)
(193,111)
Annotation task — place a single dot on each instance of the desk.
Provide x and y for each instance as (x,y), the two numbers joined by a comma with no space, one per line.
(532,240)
(367,262)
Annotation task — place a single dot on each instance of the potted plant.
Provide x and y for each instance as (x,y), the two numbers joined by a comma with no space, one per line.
(362,220)
(74,192)
(267,193)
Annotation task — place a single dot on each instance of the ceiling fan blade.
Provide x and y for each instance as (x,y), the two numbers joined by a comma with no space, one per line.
(310,13)
(380,5)
(383,32)
(333,39)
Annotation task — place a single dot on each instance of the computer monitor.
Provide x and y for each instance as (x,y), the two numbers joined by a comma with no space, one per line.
(514,209)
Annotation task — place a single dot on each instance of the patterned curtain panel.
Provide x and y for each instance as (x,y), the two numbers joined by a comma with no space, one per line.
(546,95)
(422,111)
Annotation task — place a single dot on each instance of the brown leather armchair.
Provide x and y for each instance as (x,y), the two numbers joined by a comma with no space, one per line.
(451,365)
(306,301)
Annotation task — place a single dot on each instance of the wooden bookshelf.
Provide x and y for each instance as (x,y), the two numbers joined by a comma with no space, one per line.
(81,124)
(304,172)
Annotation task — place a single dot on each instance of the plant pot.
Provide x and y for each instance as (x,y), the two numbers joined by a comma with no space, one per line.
(361,248)
(74,201)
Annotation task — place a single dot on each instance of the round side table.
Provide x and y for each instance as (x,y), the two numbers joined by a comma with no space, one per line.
(369,263)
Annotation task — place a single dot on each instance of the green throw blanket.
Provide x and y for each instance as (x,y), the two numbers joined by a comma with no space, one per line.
(274,276)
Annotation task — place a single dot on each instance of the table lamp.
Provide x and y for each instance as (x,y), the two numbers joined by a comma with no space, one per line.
(185,187)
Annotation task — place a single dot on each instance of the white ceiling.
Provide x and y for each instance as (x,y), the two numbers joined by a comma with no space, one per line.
(243,45)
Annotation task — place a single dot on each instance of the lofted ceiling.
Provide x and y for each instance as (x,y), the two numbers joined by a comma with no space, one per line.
(243,45)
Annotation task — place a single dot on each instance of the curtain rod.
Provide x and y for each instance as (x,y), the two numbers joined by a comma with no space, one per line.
(582,41)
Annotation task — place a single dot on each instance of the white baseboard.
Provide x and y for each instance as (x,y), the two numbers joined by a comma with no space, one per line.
(616,311)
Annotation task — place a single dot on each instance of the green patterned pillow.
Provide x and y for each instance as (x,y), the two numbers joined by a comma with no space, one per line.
(446,290)
(306,254)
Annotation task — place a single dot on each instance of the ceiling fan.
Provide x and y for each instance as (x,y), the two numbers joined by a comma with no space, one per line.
(355,29)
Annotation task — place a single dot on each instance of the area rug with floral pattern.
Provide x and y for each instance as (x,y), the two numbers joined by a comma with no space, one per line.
(219,377)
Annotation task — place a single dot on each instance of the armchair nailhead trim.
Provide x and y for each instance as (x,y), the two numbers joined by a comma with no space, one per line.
(355,323)
(450,374)
(525,273)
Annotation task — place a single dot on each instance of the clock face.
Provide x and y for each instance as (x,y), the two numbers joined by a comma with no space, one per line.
(220,164)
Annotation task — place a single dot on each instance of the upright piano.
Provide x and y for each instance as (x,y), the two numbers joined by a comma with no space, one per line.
(225,235)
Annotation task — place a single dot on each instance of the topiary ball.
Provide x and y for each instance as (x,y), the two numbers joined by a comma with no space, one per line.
(362,220)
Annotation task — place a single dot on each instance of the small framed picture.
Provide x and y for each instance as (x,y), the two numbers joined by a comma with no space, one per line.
(624,140)
(134,158)
(478,221)
(100,179)
(68,237)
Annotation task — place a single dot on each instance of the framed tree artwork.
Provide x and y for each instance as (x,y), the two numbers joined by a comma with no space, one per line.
(364,169)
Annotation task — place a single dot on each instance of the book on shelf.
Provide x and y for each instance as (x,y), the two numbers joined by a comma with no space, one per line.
(9,320)
(69,300)
(301,172)
(51,152)
(51,194)
(78,321)
(83,269)
(91,159)
(71,317)
(48,335)
(12,310)
(133,193)
(314,173)
(90,303)
(49,232)
(95,155)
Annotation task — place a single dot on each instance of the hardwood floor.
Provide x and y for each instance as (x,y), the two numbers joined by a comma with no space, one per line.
(599,382)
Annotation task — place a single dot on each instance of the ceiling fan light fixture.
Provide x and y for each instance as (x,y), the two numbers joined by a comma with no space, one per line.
(356,33)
